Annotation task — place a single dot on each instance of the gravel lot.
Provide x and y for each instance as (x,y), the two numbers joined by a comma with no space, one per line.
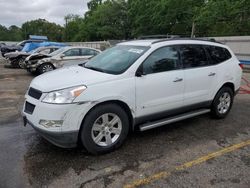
(178,155)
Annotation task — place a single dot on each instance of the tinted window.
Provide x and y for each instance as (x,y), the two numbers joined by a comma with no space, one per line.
(161,60)
(72,52)
(193,56)
(218,54)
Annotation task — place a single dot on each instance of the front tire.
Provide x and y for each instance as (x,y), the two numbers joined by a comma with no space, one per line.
(45,67)
(222,103)
(21,63)
(104,129)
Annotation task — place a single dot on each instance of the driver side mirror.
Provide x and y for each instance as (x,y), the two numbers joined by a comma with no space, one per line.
(139,72)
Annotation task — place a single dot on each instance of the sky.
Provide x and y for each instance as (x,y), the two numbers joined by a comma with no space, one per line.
(16,12)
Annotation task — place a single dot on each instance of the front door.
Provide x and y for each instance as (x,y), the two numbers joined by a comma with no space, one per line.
(161,86)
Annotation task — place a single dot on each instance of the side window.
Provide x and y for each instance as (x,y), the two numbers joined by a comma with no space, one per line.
(53,49)
(88,52)
(218,54)
(193,56)
(73,52)
(161,60)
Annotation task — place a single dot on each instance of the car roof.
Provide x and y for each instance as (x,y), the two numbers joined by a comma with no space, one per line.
(73,47)
(171,41)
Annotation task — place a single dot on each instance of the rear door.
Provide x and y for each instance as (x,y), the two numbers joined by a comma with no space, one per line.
(87,53)
(199,75)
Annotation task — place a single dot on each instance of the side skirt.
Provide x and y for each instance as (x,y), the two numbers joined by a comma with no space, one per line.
(165,121)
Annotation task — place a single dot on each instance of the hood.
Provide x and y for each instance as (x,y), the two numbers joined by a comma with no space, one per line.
(69,77)
(37,56)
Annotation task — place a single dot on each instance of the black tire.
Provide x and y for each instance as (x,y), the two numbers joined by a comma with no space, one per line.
(45,67)
(86,129)
(217,111)
(21,63)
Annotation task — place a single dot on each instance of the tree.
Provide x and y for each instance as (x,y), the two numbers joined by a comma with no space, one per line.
(43,27)
(109,20)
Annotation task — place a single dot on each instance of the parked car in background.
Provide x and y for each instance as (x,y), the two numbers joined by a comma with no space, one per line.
(19,46)
(66,56)
(135,85)
(16,59)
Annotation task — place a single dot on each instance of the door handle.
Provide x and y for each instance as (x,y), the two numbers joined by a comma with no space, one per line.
(178,80)
(212,74)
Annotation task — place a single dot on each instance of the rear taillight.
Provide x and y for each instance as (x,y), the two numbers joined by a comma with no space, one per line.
(241,66)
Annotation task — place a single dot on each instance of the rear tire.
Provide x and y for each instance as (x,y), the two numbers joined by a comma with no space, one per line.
(222,103)
(104,129)
(45,67)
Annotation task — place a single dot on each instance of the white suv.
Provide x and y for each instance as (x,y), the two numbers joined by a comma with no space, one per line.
(135,85)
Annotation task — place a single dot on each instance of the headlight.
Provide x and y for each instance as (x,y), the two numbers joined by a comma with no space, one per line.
(64,96)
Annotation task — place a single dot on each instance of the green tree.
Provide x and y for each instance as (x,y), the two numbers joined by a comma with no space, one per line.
(43,27)
(109,20)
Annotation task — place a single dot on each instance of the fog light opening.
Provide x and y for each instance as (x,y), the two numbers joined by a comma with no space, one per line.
(51,123)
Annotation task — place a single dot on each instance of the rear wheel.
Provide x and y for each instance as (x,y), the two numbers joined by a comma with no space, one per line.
(45,67)
(222,103)
(104,129)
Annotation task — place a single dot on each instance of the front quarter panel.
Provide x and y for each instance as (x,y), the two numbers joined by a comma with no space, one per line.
(120,89)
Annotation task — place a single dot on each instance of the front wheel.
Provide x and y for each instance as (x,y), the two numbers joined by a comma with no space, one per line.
(104,129)
(222,103)
(21,63)
(45,67)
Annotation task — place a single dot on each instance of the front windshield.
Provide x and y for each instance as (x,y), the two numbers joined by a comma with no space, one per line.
(116,60)
(60,50)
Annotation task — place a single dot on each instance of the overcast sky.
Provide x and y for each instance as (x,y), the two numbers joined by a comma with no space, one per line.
(16,12)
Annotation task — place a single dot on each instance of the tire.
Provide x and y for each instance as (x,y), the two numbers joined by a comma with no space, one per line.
(21,63)
(45,67)
(98,135)
(222,103)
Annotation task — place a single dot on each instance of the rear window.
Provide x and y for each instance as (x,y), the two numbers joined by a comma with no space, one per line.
(193,56)
(218,54)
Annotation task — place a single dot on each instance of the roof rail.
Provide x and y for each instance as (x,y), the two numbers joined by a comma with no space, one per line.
(158,37)
(195,39)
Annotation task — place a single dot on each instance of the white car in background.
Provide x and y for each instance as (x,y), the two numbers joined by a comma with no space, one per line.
(135,85)
(66,56)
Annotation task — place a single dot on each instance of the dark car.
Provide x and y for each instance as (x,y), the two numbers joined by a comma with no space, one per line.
(19,46)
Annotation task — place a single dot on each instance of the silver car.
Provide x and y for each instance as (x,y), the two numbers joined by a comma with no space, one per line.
(65,56)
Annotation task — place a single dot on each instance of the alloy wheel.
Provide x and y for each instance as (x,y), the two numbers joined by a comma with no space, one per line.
(224,103)
(106,129)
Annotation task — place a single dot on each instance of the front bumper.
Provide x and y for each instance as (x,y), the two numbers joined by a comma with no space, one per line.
(31,67)
(61,139)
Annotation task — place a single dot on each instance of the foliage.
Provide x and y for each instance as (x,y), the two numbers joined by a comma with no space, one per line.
(125,19)
(43,27)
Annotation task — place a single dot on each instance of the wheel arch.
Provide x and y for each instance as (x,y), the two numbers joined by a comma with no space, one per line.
(230,85)
(120,103)
(226,84)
